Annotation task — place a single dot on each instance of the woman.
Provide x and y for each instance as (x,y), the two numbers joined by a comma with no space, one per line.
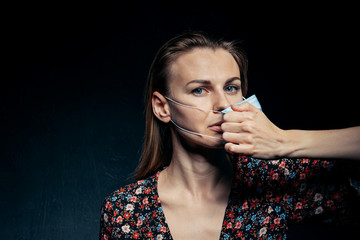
(187,188)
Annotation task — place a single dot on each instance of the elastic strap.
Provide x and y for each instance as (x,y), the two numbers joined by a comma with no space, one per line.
(188,106)
(199,134)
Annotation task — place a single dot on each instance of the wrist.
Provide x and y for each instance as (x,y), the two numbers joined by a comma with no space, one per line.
(293,143)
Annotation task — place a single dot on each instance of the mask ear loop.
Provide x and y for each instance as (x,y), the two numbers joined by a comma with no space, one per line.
(188,106)
(198,108)
(191,132)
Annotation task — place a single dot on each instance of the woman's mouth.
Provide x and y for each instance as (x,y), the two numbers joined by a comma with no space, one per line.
(216,127)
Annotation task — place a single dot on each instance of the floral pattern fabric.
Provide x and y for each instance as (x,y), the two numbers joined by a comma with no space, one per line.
(266,197)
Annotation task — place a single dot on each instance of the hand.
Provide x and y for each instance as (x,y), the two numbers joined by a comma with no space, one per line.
(249,132)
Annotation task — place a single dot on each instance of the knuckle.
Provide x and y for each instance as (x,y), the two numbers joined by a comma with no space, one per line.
(252,151)
(228,117)
(246,104)
(238,128)
(248,126)
(249,138)
(249,150)
(251,116)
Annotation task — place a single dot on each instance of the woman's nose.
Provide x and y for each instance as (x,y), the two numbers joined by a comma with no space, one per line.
(220,101)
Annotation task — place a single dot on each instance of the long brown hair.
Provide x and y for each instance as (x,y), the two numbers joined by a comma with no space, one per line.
(157,148)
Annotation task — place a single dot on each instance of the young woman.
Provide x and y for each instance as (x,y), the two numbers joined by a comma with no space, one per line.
(187,186)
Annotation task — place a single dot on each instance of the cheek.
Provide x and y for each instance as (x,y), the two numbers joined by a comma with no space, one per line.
(190,119)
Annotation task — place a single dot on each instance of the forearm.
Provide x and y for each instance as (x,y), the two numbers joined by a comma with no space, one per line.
(339,143)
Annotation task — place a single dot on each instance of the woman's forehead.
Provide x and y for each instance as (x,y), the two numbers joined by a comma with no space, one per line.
(205,64)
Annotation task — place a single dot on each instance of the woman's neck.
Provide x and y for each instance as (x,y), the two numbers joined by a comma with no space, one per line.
(201,172)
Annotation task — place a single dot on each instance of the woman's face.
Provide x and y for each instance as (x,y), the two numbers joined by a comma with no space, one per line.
(208,79)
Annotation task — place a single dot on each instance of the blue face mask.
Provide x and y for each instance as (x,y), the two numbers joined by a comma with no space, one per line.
(252,100)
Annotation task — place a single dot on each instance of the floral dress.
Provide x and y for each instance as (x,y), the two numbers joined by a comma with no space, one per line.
(266,196)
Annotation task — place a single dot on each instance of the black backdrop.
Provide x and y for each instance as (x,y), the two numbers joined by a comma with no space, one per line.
(71,94)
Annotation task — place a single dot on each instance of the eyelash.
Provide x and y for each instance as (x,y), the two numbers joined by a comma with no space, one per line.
(235,89)
(196,89)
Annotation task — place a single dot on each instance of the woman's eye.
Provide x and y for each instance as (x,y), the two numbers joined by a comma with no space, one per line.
(231,89)
(198,91)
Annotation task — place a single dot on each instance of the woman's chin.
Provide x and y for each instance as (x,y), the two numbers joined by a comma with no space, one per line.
(211,143)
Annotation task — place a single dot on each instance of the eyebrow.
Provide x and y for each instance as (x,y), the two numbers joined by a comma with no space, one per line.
(207,82)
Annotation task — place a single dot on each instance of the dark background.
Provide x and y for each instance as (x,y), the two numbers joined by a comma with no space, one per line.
(72,86)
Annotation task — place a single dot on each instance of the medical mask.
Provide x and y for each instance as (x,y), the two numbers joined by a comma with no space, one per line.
(252,100)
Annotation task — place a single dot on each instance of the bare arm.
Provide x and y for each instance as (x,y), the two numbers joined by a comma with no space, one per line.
(337,143)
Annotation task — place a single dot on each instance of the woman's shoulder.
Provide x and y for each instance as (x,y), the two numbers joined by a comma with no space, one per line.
(128,209)
(132,193)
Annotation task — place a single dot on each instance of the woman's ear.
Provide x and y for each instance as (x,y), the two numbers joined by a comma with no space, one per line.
(160,107)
